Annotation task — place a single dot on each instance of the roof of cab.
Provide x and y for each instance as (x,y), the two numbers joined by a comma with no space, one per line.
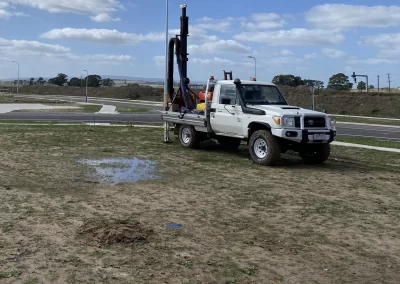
(246,82)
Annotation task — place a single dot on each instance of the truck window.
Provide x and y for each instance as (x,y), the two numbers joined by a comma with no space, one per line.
(228,95)
(262,94)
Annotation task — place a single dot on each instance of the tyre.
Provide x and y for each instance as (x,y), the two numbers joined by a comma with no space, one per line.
(189,137)
(229,143)
(315,154)
(264,148)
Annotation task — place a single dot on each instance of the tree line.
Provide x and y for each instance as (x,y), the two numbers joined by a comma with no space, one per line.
(338,81)
(62,80)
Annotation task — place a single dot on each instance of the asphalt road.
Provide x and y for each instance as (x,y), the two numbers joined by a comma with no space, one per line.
(343,130)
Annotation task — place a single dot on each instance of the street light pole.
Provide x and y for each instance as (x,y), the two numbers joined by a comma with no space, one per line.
(18,75)
(255,66)
(87,78)
(165,99)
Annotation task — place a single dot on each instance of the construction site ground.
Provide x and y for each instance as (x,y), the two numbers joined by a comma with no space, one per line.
(203,216)
(382,104)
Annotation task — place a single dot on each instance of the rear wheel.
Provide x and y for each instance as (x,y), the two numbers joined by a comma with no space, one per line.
(188,136)
(229,143)
(315,154)
(264,148)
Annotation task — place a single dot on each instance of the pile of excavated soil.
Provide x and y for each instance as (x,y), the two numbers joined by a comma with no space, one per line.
(116,232)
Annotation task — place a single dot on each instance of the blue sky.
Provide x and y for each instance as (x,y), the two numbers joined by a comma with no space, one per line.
(311,39)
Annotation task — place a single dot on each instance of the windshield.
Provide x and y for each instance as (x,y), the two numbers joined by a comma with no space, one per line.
(262,94)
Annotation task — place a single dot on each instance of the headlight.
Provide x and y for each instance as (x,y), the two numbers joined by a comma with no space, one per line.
(331,121)
(288,121)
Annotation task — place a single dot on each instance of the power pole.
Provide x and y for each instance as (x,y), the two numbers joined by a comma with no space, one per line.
(389,80)
(378,83)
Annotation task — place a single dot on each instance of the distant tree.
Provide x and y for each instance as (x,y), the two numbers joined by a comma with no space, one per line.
(339,81)
(59,80)
(108,82)
(74,82)
(31,81)
(361,86)
(371,87)
(40,81)
(315,83)
(93,81)
(287,80)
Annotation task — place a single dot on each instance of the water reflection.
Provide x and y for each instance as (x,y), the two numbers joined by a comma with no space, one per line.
(117,170)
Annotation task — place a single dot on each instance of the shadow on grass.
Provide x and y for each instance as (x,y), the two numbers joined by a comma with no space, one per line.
(212,152)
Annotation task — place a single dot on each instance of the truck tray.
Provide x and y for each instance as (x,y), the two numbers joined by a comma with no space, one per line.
(180,118)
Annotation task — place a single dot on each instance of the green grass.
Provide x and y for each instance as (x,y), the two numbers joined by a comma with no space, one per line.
(131,109)
(368,120)
(370,142)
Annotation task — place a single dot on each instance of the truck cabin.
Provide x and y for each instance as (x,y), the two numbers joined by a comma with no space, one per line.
(252,93)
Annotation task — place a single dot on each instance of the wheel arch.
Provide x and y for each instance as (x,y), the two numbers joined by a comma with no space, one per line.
(254,126)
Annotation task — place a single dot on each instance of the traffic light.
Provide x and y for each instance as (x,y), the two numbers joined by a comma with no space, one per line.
(354,76)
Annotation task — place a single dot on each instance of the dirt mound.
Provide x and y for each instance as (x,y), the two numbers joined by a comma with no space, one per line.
(116,232)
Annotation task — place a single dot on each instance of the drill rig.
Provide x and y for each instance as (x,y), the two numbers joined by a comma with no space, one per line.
(184,96)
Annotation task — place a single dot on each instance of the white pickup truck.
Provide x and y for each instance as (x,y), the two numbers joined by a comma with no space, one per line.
(257,113)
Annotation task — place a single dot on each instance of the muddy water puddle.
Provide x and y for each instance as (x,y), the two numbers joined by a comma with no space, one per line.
(120,170)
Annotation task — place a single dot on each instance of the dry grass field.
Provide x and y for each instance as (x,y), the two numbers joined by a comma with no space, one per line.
(63,222)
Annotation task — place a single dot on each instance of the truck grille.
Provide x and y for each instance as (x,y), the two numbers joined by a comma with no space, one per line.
(314,122)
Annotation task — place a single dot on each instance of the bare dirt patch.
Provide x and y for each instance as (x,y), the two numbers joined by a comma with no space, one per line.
(240,222)
(116,232)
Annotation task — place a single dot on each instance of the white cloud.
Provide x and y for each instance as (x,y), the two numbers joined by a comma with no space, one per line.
(373,61)
(285,52)
(87,7)
(388,44)
(264,21)
(332,16)
(297,36)
(3,5)
(196,34)
(311,55)
(13,48)
(333,53)
(101,58)
(383,41)
(221,61)
(104,36)
(31,46)
(218,47)
(221,25)
(104,17)
(5,14)
(159,60)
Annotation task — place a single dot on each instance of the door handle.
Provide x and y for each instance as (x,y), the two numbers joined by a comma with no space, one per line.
(219,110)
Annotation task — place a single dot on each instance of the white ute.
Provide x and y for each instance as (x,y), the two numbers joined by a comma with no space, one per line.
(258,113)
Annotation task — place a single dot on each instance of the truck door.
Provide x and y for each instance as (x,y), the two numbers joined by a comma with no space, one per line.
(228,113)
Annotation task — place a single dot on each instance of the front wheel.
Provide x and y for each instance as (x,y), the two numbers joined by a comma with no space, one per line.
(264,148)
(315,154)
(188,136)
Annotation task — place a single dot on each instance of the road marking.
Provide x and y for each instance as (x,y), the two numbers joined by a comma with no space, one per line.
(366,147)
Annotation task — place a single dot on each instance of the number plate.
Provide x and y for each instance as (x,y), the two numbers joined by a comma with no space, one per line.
(319,136)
